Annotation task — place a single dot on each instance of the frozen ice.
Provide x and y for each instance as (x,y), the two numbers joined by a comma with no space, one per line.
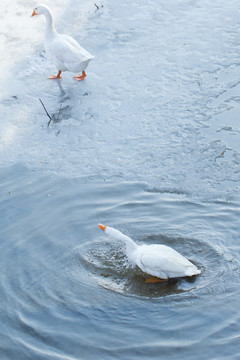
(164,80)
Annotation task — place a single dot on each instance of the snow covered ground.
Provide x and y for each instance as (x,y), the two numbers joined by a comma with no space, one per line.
(160,102)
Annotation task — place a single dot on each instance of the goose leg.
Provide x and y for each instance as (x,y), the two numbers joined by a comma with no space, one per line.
(154,280)
(80,77)
(58,76)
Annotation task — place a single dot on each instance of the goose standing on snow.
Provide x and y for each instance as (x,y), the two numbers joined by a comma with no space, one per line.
(64,51)
(160,261)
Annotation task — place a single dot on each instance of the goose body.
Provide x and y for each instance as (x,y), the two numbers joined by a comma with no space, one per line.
(160,261)
(64,51)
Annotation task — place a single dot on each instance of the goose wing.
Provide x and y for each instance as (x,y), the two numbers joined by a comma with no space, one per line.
(164,262)
(67,50)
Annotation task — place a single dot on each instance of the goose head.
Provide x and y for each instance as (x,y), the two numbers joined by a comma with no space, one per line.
(40,10)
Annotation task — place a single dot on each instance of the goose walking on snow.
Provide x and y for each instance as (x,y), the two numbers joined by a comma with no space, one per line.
(160,261)
(64,51)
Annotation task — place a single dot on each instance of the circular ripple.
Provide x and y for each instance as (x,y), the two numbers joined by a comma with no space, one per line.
(108,265)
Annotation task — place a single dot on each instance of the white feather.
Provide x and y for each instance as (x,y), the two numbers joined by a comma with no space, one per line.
(156,260)
(64,51)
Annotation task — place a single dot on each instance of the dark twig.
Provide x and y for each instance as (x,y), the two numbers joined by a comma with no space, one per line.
(98,7)
(46,113)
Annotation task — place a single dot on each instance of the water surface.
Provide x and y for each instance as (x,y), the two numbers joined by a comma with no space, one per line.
(148,144)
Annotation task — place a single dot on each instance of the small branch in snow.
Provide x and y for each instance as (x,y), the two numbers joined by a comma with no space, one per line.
(46,113)
(98,7)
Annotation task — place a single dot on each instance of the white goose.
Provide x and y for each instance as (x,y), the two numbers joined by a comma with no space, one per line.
(64,51)
(160,261)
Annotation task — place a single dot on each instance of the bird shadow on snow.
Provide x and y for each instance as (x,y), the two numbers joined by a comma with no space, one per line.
(63,110)
(65,103)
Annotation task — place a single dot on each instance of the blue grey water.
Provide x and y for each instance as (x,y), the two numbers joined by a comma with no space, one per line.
(149,144)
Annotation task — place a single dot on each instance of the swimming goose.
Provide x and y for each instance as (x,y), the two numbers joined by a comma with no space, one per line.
(160,261)
(64,51)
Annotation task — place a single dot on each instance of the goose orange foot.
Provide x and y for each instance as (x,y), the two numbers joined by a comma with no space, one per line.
(58,76)
(80,77)
(154,280)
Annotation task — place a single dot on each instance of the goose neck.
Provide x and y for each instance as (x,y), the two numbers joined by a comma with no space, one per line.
(130,244)
(50,29)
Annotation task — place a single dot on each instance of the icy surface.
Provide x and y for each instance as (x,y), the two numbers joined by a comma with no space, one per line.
(160,102)
(148,143)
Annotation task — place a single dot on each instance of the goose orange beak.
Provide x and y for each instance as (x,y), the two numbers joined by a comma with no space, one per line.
(34,13)
(102,227)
